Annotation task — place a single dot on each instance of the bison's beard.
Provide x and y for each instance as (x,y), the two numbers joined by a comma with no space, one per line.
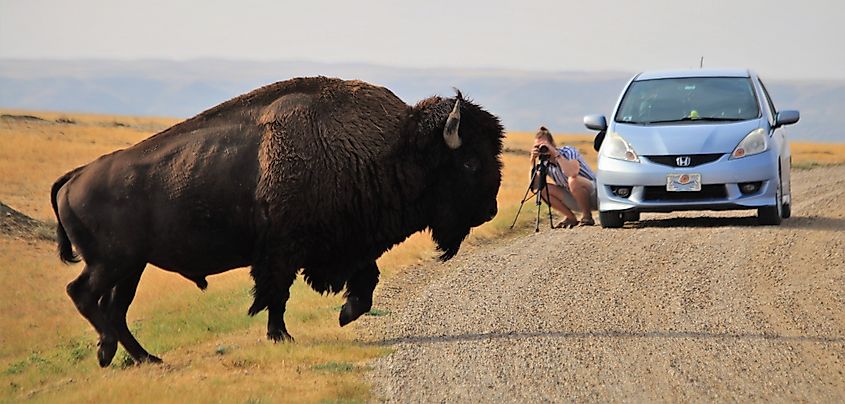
(448,241)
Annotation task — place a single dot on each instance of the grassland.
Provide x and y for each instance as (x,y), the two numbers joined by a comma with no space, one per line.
(212,349)
(810,155)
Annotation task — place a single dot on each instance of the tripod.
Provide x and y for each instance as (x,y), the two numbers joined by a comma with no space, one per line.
(539,172)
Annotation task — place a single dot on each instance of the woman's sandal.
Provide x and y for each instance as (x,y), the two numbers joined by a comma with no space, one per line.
(566,224)
(587,223)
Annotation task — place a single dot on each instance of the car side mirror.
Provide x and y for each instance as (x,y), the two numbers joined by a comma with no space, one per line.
(787,118)
(595,122)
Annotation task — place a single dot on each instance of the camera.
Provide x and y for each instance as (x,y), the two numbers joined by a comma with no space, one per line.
(543,152)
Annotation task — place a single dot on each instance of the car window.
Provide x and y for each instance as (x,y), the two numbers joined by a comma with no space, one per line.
(690,99)
(772,111)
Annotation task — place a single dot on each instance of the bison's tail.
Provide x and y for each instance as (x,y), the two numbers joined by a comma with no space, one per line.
(65,247)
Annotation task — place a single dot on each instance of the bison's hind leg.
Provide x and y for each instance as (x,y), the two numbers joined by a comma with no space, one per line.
(359,293)
(115,304)
(86,291)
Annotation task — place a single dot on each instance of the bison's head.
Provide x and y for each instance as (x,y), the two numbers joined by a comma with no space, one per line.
(467,165)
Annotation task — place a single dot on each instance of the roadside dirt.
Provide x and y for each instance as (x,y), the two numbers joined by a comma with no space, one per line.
(699,306)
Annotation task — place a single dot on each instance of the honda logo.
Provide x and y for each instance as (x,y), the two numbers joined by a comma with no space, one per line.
(683,161)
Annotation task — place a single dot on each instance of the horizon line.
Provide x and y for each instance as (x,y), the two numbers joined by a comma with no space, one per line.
(487,69)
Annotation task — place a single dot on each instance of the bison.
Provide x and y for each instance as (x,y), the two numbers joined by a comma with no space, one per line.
(316,175)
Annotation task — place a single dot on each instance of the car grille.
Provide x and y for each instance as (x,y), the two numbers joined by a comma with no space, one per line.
(695,159)
(659,193)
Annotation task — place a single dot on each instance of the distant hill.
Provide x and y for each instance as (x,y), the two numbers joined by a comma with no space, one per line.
(523,99)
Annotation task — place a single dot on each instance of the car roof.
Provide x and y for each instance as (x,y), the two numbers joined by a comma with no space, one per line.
(672,74)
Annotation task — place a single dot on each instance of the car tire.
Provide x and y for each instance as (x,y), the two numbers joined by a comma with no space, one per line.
(632,216)
(611,219)
(772,215)
(768,215)
(786,209)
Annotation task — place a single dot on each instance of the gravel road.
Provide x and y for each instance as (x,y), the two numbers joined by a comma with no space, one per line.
(698,306)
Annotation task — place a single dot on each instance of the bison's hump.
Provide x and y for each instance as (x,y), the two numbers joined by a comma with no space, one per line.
(322,98)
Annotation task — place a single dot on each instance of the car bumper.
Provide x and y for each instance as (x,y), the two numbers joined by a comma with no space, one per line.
(720,180)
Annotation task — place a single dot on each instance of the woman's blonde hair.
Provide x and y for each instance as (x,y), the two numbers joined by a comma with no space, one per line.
(544,133)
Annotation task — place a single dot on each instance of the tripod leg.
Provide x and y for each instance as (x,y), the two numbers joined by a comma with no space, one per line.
(525,197)
(541,185)
(549,198)
(537,222)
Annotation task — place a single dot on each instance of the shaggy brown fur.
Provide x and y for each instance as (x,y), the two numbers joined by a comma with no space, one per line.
(313,174)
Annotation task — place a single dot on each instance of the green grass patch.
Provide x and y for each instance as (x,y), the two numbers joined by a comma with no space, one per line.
(342,401)
(37,361)
(337,367)
(16,368)
(376,312)
(122,360)
(78,350)
(214,313)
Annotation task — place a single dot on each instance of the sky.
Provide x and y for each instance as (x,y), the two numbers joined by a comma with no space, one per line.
(778,39)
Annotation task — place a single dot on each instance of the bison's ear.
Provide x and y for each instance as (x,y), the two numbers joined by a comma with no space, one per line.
(450,131)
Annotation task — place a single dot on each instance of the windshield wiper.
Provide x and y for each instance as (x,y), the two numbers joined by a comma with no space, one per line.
(701,118)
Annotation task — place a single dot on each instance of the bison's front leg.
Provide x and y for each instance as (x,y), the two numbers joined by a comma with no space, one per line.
(272,290)
(276,329)
(359,293)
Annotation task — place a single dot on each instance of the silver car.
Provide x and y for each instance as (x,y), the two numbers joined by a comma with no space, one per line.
(693,140)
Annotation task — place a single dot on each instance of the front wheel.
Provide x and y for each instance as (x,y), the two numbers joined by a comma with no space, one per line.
(768,215)
(787,211)
(611,219)
(772,215)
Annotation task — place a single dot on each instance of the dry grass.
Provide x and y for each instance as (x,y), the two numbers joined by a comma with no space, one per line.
(213,350)
(33,153)
(809,155)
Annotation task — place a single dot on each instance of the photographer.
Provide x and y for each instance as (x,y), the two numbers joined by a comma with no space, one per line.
(574,182)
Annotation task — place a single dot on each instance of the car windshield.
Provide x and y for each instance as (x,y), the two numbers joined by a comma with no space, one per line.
(688,100)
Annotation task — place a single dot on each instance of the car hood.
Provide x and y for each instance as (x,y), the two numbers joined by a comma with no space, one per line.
(696,138)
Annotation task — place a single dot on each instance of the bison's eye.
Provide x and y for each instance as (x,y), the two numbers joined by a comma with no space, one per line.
(471,165)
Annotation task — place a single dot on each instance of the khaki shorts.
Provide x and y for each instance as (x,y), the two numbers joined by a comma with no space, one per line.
(570,202)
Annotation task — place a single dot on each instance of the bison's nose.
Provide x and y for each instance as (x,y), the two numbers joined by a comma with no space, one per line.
(492,213)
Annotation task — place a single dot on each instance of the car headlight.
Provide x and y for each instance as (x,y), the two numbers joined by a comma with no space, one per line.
(616,147)
(755,142)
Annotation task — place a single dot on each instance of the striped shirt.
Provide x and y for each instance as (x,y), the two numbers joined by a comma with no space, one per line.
(570,153)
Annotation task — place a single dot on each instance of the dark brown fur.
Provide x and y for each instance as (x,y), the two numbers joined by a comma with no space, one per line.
(312,174)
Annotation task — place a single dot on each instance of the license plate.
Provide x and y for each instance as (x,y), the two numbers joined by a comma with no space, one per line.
(683,182)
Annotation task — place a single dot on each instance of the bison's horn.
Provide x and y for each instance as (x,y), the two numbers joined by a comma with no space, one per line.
(450,131)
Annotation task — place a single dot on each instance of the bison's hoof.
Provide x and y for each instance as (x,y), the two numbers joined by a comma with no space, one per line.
(352,309)
(105,351)
(149,359)
(280,336)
